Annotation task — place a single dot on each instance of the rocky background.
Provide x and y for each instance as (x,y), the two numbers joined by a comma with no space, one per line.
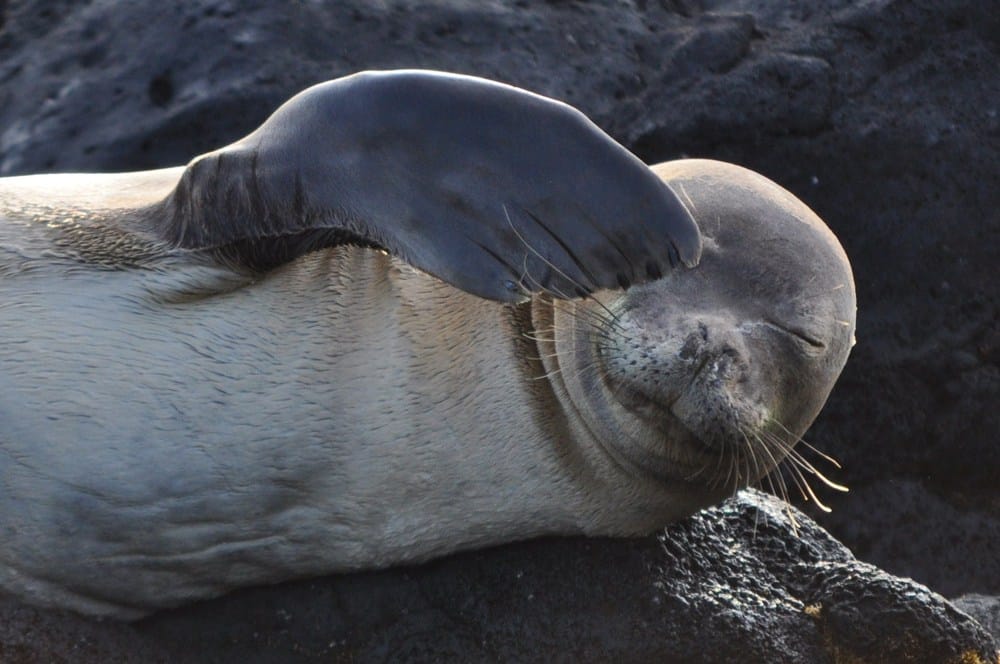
(884,116)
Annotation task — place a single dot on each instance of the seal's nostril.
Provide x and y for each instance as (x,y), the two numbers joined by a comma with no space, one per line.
(690,348)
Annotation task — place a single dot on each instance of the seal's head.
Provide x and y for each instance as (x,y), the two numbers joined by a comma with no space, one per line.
(707,377)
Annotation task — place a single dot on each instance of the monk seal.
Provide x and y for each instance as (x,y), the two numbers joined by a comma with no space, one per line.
(413,313)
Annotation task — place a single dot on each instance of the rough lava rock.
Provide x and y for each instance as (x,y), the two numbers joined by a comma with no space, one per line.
(734,583)
(884,116)
(984,608)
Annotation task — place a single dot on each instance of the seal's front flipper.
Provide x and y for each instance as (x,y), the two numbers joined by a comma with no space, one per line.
(497,191)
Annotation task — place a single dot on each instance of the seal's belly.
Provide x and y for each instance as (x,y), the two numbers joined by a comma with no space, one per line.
(168,435)
(145,439)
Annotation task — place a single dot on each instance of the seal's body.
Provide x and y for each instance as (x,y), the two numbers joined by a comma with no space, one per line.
(177,420)
(332,416)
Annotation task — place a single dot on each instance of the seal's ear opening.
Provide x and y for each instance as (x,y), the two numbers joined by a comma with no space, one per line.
(495,190)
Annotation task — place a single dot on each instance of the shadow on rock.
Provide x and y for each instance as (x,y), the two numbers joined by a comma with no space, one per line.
(734,583)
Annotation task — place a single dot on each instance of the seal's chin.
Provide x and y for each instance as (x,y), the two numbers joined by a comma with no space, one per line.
(672,439)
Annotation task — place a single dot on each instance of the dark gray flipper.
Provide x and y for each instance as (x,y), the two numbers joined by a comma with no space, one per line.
(493,189)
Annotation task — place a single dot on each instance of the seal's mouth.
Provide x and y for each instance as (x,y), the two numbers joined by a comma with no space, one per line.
(689,409)
(657,409)
(694,433)
(640,402)
(682,454)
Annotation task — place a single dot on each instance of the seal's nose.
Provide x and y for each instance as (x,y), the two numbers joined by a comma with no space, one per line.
(729,364)
(694,343)
(717,349)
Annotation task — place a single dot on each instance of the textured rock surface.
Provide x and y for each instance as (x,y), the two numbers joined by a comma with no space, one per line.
(731,584)
(883,116)
(984,608)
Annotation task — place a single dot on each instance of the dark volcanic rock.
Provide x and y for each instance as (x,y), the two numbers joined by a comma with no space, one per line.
(746,571)
(883,116)
(984,608)
(734,583)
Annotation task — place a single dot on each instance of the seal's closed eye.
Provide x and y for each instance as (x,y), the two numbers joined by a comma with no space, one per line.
(493,189)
